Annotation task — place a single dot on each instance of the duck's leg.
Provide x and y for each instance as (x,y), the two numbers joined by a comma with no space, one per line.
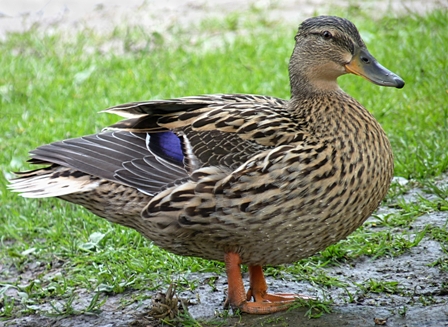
(258,288)
(235,292)
(237,299)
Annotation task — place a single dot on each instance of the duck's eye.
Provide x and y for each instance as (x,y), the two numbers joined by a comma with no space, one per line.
(327,35)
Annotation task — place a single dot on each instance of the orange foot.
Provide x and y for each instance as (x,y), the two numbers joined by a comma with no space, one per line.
(264,302)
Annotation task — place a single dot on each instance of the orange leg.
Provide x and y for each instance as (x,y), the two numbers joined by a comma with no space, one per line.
(264,303)
(258,288)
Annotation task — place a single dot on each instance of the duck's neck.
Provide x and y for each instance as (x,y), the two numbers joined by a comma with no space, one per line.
(312,72)
(327,114)
(309,82)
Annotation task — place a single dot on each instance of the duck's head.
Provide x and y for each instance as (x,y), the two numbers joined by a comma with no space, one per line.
(328,47)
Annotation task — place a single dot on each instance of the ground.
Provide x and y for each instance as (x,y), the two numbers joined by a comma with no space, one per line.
(406,289)
(157,15)
(409,289)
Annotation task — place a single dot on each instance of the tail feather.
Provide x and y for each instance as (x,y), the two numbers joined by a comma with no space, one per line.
(52,181)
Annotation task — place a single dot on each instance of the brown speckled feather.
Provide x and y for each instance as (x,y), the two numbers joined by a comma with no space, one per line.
(271,180)
(280,190)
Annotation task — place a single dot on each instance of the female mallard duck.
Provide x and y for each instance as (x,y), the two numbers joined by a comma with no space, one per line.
(243,179)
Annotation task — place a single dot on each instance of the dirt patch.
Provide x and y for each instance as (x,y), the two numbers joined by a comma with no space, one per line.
(418,294)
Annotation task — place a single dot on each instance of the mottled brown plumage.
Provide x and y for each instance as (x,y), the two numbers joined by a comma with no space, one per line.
(244,179)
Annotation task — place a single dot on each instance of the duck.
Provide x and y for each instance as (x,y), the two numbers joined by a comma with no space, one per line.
(238,178)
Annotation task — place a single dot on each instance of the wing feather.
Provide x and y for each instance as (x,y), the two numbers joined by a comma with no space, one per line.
(115,156)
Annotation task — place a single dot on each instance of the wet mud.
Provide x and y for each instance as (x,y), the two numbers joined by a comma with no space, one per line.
(419,299)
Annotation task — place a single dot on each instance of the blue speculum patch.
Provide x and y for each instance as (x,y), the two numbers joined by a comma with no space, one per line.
(167,145)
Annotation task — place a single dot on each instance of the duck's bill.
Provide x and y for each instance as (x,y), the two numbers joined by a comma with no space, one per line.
(365,65)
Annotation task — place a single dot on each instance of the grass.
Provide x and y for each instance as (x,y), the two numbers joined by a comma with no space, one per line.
(51,88)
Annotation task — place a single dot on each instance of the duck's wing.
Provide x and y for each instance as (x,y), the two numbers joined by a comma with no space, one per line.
(215,130)
(140,115)
(161,143)
(122,157)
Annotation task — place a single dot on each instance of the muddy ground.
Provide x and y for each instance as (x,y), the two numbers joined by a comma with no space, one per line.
(422,299)
(423,296)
